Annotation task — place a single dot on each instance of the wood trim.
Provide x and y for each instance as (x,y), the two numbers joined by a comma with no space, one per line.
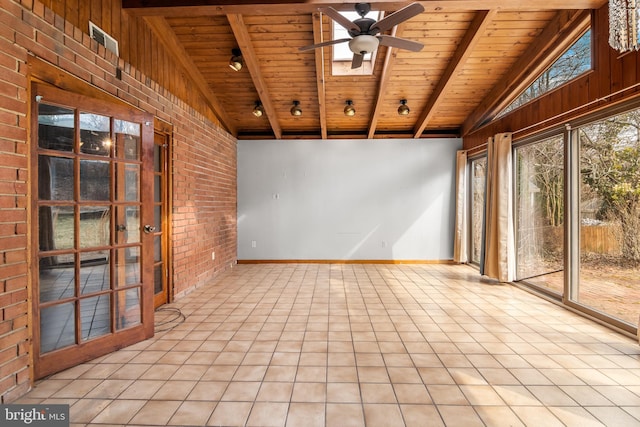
(385,78)
(252,63)
(46,72)
(261,7)
(320,80)
(344,261)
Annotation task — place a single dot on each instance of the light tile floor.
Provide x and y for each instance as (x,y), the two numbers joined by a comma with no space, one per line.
(355,345)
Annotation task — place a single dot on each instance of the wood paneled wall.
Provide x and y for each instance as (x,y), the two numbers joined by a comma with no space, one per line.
(613,79)
(136,44)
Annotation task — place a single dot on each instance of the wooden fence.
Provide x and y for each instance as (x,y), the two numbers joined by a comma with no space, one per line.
(599,239)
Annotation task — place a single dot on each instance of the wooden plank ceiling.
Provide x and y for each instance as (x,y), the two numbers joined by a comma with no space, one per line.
(474,54)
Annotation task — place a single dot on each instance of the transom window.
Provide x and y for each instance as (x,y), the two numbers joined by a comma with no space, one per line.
(575,61)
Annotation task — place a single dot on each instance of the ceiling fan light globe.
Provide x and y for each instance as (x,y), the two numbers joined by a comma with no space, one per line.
(403,110)
(349,109)
(235,65)
(363,44)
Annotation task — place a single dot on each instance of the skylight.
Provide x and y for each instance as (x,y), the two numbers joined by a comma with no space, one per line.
(341,51)
(342,55)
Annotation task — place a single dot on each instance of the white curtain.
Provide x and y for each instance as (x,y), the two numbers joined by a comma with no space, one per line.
(499,241)
(460,243)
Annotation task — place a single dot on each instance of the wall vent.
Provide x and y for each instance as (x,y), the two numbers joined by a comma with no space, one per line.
(103,38)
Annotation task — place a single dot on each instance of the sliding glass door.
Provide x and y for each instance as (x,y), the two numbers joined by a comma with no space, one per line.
(609,215)
(577,216)
(478,182)
(539,202)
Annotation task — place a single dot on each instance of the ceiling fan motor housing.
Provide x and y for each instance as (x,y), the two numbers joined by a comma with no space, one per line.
(364,24)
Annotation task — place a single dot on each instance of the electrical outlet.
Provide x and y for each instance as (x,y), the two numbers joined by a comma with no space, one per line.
(213,256)
(253,244)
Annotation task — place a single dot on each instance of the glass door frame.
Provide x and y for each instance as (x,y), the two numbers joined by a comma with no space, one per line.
(86,349)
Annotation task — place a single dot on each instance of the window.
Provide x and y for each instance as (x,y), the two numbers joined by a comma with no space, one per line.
(609,216)
(573,62)
(539,206)
(342,55)
(478,181)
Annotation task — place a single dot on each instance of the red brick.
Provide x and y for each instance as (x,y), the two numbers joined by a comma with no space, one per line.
(13,132)
(20,389)
(14,283)
(12,270)
(12,104)
(14,311)
(12,339)
(15,23)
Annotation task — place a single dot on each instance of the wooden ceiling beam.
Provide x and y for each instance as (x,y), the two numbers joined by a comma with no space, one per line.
(385,78)
(476,30)
(320,82)
(271,7)
(252,63)
(566,25)
(167,37)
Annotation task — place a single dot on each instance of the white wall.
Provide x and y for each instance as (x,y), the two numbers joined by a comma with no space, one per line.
(346,199)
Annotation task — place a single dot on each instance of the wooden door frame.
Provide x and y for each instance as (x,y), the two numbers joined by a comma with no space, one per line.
(166,130)
(44,75)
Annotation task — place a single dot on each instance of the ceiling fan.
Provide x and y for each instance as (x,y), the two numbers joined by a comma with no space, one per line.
(366,33)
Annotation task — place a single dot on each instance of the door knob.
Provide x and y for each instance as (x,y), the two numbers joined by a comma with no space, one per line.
(149,229)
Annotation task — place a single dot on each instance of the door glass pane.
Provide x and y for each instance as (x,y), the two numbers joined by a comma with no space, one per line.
(157,188)
(540,213)
(130,182)
(55,178)
(95,226)
(57,326)
(157,248)
(158,285)
(157,218)
(55,227)
(95,134)
(157,158)
(95,178)
(128,308)
(609,279)
(55,127)
(133,223)
(95,315)
(127,266)
(127,224)
(56,281)
(128,139)
(478,178)
(94,272)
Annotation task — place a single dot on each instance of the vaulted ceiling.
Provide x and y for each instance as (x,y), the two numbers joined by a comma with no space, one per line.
(476,55)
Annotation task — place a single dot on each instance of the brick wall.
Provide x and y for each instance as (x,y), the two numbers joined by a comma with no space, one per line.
(204,169)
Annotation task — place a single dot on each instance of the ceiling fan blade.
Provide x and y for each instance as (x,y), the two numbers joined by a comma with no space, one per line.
(356,62)
(340,19)
(397,17)
(399,43)
(327,43)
